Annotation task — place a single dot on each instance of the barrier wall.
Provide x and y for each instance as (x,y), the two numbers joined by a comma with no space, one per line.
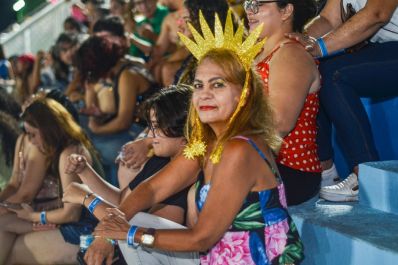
(38,32)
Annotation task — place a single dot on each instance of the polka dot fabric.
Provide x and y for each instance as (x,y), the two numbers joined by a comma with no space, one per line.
(299,148)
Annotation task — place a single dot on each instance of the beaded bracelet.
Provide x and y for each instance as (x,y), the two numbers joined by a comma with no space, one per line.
(93,204)
(43,218)
(131,235)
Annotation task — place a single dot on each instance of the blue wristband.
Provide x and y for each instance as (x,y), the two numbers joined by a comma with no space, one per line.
(131,235)
(93,204)
(43,219)
(322,47)
(324,50)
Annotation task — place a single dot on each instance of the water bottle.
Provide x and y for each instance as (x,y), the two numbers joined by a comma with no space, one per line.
(85,242)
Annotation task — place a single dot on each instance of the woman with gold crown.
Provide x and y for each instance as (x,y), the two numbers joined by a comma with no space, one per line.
(242,209)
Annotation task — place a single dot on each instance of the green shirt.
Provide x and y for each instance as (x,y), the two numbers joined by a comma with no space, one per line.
(156,23)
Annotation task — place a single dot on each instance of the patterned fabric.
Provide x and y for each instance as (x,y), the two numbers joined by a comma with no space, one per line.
(262,231)
(299,148)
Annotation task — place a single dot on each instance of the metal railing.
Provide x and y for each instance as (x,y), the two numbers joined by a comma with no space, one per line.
(38,32)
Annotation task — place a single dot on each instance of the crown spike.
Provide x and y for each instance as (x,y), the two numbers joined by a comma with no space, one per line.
(206,31)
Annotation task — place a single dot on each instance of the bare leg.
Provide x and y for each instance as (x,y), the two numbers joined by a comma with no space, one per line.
(10,227)
(44,247)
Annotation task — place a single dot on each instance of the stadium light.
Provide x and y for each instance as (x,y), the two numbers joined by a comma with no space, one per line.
(18,5)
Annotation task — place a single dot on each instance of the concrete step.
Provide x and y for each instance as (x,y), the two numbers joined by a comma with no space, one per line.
(378,185)
(346,234)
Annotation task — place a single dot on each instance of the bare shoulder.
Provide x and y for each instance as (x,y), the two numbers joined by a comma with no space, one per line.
(240,151)
(293,55)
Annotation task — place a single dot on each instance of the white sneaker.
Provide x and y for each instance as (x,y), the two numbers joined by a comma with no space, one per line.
(346,190)
(330,177)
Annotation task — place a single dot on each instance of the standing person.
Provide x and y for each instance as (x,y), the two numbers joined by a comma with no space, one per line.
(240,198)
(368,31)
(52,130)
(292,82)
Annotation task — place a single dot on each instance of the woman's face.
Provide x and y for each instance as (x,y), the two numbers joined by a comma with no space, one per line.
(146,7)
(214,98)
(116,9)
(34,136)
(164,146)
(268,13)
(183,20)
(66,53)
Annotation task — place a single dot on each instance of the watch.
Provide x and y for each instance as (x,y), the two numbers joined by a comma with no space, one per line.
(148,237)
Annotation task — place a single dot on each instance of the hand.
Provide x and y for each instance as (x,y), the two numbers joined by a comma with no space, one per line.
(75,164)
(3,210)
(99,250)
(135,153)
(93,125)
(146,31)
(75,193)
(93,110)
(43,227)
(40,55)
(307,41)
(114,225)
(26,213)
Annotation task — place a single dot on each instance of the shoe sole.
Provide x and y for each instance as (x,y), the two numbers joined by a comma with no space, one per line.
(338,197)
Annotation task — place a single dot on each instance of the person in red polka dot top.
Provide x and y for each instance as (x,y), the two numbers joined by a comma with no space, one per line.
(292,81)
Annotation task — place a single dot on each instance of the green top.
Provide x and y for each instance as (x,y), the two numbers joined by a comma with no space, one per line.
(156,23)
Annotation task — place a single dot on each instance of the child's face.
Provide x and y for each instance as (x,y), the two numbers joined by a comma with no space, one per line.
(163,145)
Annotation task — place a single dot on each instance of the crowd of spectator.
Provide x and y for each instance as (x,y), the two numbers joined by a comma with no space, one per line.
(121,115)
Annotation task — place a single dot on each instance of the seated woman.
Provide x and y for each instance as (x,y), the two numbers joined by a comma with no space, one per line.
(243,217)
(166,113)
(52,135)
(114,86)
(292,81)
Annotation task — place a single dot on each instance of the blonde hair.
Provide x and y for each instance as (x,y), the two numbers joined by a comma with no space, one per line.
(254,118)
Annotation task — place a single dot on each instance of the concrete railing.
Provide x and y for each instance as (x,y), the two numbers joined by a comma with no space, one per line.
(38,32)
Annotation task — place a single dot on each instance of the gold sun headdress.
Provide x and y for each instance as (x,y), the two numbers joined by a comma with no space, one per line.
(246,50)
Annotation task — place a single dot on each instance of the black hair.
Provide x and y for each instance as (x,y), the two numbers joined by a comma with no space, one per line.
(170,106)
(74,23)
(111,24)
(9,105)
(97,55)
(208,8)
(60,97)
(61,69)
(304,11)
(2,55)
(9,131)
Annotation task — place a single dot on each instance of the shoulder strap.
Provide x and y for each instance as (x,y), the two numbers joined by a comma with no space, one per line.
(116,83)
(269,57)
(263,156)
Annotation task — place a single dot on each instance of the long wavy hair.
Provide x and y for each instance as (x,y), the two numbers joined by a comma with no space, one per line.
(57,128)
(254,118)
